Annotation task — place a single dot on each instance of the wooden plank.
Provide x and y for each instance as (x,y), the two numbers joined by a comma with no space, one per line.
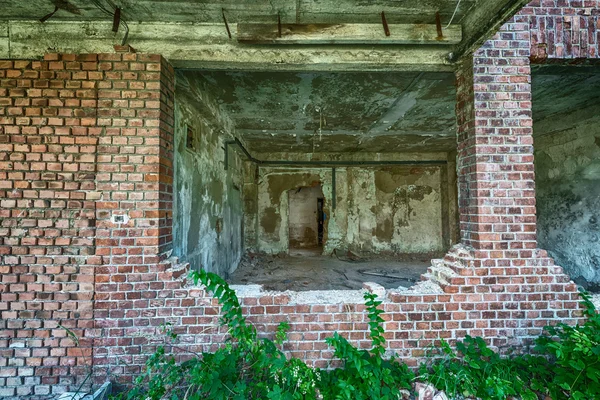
(371,34)
(207,46)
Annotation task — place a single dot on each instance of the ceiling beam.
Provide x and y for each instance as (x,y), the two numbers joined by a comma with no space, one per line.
(369,34)
(207,46)
(482,22)
(4,39)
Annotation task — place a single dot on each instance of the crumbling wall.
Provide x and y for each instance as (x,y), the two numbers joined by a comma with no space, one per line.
(208,212)
(568,193)
(273,202)
(388,209)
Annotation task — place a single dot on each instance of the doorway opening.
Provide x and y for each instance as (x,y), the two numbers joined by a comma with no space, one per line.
(306,220)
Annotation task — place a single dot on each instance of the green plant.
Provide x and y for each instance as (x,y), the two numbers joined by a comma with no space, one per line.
(244,368)
(566,365)
(574,356)
(476,370)
(366,374)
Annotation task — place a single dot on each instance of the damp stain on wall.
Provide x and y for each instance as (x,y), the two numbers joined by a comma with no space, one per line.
(393,209)
(567,164)
(207,209)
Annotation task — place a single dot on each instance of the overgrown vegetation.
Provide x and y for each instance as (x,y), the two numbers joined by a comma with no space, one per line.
(366,374)
(566,364)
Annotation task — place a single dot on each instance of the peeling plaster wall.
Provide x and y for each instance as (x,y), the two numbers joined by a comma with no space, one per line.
(567,160)
(392,209)
(208,216)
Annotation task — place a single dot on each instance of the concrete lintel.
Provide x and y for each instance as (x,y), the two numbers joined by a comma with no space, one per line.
(207,46)
(483,21)
(4,47)
(371,34)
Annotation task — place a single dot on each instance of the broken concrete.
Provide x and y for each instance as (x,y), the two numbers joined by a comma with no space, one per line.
(333,112)
(391,209)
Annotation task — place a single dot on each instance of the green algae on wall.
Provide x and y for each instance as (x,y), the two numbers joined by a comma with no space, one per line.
(207,208)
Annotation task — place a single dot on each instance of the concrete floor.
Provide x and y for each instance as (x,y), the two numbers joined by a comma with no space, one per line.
(308,270)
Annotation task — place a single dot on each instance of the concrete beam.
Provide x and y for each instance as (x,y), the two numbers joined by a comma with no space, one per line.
(4,53)
(482,22)
(207,46)
(327,34)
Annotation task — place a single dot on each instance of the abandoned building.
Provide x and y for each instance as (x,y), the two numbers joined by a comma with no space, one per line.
(445,154)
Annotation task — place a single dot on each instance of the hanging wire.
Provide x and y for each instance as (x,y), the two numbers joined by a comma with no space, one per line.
(453,14)
(107,11)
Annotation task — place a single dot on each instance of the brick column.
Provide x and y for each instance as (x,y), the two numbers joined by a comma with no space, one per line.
(510,288)
(495,147)
(134,179)
(82,138)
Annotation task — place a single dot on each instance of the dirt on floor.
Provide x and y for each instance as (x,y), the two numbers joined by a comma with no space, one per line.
(303,270)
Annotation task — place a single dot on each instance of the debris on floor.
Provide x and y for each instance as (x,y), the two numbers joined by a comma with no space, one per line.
(299,272)
(102,393)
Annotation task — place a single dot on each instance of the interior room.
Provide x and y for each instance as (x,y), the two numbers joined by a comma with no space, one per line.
(302,181)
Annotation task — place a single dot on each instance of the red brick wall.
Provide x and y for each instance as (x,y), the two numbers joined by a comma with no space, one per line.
(135,156)
(563,29)
(48,142)
(86,137)
(81,137)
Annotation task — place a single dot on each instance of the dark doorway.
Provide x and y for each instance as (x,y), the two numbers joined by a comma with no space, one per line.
(321,220)
(306,219)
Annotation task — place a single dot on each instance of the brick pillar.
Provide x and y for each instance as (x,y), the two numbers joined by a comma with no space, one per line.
(495,147)
(135,149)
(134,178)
(511,288)
(166,156)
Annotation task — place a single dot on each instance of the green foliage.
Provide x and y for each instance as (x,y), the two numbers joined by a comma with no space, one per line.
(476,370)
(366,375)
(574,357)
(566,365)
(245,367)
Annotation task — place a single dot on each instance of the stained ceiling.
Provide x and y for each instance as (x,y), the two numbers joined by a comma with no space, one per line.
(338,112)
(561,91)
(300,11)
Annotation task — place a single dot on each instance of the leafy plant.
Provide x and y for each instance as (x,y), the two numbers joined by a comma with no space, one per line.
(566,365)
(476,370)
(574,356)
(366,374)
(244,368)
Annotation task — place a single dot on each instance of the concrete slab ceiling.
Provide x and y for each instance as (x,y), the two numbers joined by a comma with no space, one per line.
(338,112)
(300,11)
(194,31)
(564,93)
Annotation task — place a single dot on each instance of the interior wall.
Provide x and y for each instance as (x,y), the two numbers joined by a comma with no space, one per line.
(208,206)
(567,162)
(388,209)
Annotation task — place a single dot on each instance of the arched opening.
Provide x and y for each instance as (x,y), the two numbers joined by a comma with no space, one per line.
(306,220)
